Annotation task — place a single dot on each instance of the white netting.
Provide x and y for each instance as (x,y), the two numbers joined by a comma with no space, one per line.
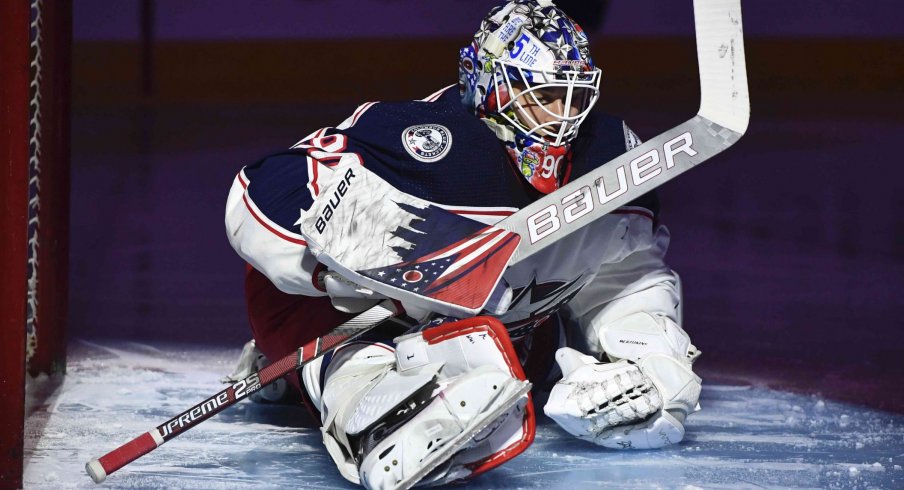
(34,182)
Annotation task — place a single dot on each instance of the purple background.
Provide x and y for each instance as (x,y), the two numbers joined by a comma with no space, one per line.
(790,245)
(240,19)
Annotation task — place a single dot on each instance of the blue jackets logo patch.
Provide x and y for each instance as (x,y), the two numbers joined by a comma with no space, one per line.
(427,142)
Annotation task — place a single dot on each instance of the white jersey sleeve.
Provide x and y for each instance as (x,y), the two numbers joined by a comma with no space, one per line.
(269,199)
(275,251)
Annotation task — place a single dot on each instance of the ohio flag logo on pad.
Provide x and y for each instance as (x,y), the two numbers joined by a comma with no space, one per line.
(463,272)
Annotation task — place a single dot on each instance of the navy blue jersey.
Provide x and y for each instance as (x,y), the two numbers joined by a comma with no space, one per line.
(436,150)
(475,172)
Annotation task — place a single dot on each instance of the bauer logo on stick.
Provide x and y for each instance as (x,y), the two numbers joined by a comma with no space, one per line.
(427,142)
(614,181)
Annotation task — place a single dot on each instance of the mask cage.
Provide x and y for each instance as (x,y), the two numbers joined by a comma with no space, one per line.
(561,128)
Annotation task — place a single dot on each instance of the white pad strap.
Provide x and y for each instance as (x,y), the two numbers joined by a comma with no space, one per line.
(459,350)
(639,334)
(391,390)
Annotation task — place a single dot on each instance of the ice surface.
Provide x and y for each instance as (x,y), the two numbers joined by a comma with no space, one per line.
(745,437)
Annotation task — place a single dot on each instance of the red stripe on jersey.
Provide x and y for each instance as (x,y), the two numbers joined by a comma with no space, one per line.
(312,174)
(361,110)
(271,229)
(435,95)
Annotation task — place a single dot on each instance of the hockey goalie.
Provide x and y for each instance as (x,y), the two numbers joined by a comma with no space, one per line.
(592,325)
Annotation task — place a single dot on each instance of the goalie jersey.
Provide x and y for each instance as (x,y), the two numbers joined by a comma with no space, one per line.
(436,150)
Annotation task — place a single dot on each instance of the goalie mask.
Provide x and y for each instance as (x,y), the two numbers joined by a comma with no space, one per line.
(528,74)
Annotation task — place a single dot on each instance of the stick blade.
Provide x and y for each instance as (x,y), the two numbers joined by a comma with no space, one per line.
(724,95)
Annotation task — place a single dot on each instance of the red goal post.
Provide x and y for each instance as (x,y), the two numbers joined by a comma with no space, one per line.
(35,42)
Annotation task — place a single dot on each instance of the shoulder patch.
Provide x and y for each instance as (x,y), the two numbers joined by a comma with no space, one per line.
(631,139)
(427,142)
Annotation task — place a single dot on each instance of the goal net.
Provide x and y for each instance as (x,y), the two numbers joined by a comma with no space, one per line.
(48,186)
(34,188)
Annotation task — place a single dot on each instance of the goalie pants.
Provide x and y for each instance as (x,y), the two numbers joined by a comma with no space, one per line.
(282,322)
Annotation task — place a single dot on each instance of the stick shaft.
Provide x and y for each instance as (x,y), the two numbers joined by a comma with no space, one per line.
(99,468)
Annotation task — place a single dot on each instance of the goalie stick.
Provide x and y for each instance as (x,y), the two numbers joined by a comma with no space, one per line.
(476,259)
(101,467)
(720,122)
